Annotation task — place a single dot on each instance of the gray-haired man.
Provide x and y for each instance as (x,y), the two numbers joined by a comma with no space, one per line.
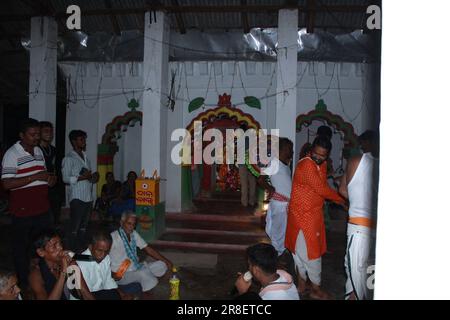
(124,259)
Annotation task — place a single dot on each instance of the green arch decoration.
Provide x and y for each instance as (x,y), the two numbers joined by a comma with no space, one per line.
(321,113)
(108,148)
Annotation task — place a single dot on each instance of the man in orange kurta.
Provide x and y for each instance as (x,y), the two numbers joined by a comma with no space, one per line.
(305,233)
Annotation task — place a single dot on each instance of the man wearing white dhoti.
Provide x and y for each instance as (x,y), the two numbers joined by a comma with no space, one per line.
(360,186)
(279,189)
(125,262)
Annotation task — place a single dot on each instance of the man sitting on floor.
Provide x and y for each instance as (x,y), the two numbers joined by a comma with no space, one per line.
(276,284)
(124,259)
(97,274)
(8,286)
(49,271)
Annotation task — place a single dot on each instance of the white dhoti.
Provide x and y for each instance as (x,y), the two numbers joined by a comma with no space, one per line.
(359,256)
(307,268)
(276,220)
(146,276)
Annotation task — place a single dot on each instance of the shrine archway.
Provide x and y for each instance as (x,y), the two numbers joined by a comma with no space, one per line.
(109,144)
(320,114)
(223,117)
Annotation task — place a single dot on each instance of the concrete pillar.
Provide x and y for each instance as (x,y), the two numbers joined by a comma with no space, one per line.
(42,92)
(286,100)
(174,121)
(371,111)
(155,82)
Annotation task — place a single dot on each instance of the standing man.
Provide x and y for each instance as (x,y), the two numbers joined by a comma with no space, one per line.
(77,172)
(246,178)
(279,190)
(25,176)
(305,234)
(49,152)
(360,186)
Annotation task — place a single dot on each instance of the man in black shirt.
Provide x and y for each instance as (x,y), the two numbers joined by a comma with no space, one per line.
(49,151)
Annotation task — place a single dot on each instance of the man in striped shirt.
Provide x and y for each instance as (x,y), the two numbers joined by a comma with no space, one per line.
(24,174)
(77,172)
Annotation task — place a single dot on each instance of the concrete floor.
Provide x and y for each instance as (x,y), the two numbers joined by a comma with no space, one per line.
(209,275)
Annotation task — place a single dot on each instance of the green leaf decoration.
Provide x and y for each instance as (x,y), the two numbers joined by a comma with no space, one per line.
(196,103)
(133,104)
(321,106)
(252,102)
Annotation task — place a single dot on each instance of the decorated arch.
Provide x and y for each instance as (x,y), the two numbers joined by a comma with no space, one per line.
(321,112)
(224,116)
(108,147)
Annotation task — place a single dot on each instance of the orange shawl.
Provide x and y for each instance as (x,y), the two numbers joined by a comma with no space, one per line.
(309,191)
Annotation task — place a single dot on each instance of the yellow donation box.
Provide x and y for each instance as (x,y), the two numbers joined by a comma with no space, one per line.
(147,190)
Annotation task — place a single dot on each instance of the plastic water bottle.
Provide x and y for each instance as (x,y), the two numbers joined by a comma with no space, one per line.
(174,285)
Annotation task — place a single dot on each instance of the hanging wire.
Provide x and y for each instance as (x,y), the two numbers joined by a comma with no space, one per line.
(215,80)
(242,81)
(320,95)
(363,100)
(97,100)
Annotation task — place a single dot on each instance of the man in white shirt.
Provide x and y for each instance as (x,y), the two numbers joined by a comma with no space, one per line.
(360,186)
(279,190)
(97,274)
(77,173)
(275,284)
(124,259)
(26,178)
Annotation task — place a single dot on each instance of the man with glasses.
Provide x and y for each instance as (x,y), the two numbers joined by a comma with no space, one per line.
(305,233)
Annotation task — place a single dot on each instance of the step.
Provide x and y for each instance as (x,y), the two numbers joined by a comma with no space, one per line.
(213,236)
(217,200)
(199,246)
(187,231)
(223,226)
(213,218)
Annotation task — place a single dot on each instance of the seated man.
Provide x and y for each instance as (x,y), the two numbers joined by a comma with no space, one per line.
(276,284)
(124,259)
(8,286)
(49,272)
(129,186)
(110,192)
(97,274)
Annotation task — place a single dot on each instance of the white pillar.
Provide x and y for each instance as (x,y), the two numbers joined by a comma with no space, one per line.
(155,82)
(287,73)
(174,121)
(371,92)
(42,90)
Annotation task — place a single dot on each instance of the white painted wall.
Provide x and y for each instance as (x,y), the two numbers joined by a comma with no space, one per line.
(345,90)
(93,80)
(128,157)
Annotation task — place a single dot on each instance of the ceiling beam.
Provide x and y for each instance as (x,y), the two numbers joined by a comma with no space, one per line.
(112,18)
(179,18)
